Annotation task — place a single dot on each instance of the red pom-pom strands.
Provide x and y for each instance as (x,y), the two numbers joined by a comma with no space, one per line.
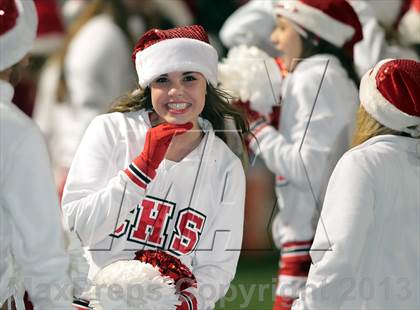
(169,266)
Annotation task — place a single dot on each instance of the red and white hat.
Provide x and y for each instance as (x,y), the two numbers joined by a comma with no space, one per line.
(409,26)
(179,49)
(50,32)
(390,92)
(334,21)
(18,25)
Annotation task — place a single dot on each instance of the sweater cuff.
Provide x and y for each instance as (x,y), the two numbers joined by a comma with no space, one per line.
(188,301)
(136,173)
(259,128)
(79,303)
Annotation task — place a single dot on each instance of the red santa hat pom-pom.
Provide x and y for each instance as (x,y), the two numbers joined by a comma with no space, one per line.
(151,281)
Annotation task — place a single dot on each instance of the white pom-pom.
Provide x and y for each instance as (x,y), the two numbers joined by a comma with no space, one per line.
(133,285)
(250,74)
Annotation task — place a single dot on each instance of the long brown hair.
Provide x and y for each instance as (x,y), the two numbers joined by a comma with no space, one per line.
(217,110)
(93,8)
(313,45)
(368,127)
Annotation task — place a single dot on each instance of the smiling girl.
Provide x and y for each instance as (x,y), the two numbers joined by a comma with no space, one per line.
(158,174)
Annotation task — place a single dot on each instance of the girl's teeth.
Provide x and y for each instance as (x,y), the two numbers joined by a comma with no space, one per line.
(178,106)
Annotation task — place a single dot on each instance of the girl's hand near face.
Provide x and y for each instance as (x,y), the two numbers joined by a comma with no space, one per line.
(156,145)
(158,139)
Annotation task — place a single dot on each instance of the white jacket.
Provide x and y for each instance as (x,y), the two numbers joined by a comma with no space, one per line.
(105,207)
(31,238)
(318,107)
(366,253)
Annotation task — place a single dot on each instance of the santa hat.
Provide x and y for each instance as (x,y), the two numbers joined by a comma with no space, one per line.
(179,49)
(409,27)
(251,24)
(334,21)
(50,28)
(18,24)
(390,92)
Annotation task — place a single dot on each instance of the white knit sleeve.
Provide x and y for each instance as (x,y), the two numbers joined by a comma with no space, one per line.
(98,195)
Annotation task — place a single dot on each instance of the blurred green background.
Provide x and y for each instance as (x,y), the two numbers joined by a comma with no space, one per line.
(254,283)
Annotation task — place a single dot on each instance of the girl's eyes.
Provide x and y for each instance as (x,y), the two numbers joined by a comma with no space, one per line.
(281,27)
(189,78)
(161,80)
(186,78)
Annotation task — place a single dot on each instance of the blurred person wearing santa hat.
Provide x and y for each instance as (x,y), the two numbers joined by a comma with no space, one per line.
(378,18)
(49,37)
(409,27)
(318,100)
(246,32)
(32,240)
(82,79)
(370,217)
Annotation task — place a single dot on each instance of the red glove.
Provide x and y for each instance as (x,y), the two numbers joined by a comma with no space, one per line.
(188,301)
(143,168)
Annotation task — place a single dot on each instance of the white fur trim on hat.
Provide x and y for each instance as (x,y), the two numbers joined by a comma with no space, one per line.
(380,108)
(17,42)
(180,54)
(315,21)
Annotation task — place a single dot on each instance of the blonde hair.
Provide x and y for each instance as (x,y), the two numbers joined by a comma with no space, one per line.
(368,127)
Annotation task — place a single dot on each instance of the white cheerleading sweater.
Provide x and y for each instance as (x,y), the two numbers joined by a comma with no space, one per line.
(369,231)
(318,111)
(192,209)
